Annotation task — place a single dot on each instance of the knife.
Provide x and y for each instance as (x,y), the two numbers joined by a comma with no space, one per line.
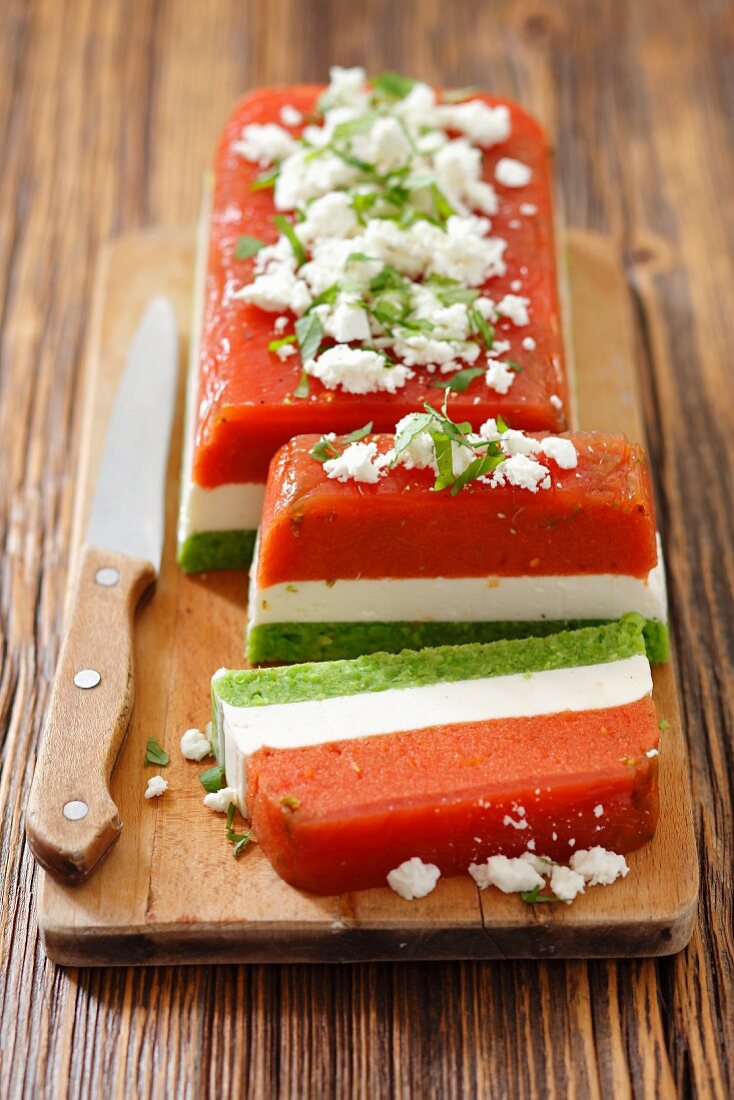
(71,819)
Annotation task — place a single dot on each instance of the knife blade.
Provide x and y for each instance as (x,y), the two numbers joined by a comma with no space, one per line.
(71,818)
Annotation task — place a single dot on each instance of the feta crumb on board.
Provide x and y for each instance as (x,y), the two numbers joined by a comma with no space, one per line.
(195,745)
(508,875)
(521,874)
(220,801)
(157,786)
(565,883)
(413,878)
(599,867)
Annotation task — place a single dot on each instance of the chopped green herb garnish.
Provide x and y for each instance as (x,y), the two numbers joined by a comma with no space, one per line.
(303,388)
(502,425)
(532,897)
(481,325)
(212,780)
(288,231)
(324,450)
(240,840)
(290,802)
(309,332)
(663,724)
(154,754)
(391,86)
(281,343)
(247,247)
(265,180)
(358,433)
(513,366)
(460,381)
(327,449)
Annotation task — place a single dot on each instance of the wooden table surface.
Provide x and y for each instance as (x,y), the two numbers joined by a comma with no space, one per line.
(108,116)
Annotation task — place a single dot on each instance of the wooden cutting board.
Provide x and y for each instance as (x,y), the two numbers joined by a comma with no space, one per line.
(170,891)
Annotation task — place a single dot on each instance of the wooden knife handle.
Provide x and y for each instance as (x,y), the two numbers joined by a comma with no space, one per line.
(71,819)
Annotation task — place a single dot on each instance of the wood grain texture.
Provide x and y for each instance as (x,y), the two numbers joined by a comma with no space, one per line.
(158,900)
(107,119)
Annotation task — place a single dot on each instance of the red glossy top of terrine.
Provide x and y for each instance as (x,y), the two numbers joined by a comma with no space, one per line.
(597,518)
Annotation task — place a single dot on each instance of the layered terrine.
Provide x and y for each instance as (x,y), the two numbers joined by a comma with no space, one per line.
(367,244)
(349,769)
(436,534)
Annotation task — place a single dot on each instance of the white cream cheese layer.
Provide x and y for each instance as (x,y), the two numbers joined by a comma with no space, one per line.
(225,508)
(244,730)
(461,599)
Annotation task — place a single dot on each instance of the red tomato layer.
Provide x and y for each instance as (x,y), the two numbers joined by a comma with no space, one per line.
(246,404)
(597,518)
(363,807)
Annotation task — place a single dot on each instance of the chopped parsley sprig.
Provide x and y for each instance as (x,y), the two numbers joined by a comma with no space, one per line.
(154,754)
(240,840)
(445,434)
(327,449)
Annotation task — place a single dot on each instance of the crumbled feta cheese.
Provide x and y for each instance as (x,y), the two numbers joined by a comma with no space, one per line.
(329,216)
(481,123)
(463,251)
(157,786)
(458,169)
(651,752)
(514,442)
(521,824)
(290,116)
(265,144)
(527,209)
(347,87)
(508,875)
(271,292)
(194,745)
(555,401)
(355,463)
(420,452)
(566,884)
(522,471)
(347,323)
(499,377)
(300,179)
(515,308)
(285,351)
(562,451)
(220,801)
(598,810)
(529,344)
(598,866)
(356,371)
(387,145)
(280,324)
(413,878)
(418,110)
(541,864)
(512,173)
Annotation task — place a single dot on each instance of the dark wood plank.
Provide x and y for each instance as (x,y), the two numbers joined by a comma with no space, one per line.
(107,117)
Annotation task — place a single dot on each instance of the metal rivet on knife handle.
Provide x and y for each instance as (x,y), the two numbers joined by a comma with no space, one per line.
(107,577)
(75,810)
(87,678)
